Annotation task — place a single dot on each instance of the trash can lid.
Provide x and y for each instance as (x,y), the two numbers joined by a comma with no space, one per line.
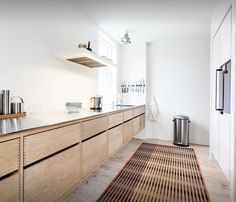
(181,117)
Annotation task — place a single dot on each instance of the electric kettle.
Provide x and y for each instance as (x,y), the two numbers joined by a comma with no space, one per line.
(96,103)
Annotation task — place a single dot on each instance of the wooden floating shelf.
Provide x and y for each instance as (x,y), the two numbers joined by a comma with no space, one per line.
(11,116)
(86,58)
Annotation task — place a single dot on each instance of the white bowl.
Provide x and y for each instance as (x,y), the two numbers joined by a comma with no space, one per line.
(73,107)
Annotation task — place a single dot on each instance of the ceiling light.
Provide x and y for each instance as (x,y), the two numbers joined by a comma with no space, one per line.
(126,39)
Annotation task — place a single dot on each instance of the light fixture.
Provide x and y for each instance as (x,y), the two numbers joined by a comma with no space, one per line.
(126,39)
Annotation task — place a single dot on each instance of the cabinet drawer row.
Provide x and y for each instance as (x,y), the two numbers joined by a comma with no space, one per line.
(56,160)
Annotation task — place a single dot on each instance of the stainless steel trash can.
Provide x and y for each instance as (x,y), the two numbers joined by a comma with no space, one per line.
(181,130)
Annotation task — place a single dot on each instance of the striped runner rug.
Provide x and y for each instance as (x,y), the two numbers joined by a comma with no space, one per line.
(159,173)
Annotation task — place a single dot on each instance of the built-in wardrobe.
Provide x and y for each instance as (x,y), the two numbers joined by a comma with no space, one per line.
(221,50)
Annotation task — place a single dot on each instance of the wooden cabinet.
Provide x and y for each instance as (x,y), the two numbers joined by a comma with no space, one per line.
(128,131)
(9,188)
(136,125)
(51,178)
(115,139)
(115,119)
(94,152)
(93,127)
(128,115)
(142,121)
(46,143)
(142,110)
(137,111)
(9,156)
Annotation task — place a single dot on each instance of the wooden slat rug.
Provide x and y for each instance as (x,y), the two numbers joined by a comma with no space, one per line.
(159,173)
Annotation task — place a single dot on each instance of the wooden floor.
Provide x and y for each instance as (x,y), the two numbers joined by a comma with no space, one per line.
(95,184)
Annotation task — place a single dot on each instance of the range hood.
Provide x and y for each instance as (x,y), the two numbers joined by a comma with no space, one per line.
(86,58)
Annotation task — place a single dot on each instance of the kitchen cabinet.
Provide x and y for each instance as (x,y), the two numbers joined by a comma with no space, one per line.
(9,156)
(46,143)
(220,123)
(115,119)
(128,115)
(214,130)
(94,152)
(136,112)
(225,38)
(9,188)
(142,121)
(136,125)
(128,130)
(93,127)
(49,179)
(115,139)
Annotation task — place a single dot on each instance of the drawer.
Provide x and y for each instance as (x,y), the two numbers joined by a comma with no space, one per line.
(46,143)
(128,115)
(115,119)
(142,110)
(9,188)
(142,121)
(136,125)
(94,152)
(136,111)
(93,127)
(9,156)
(115,139)
(128,131)
(53,177)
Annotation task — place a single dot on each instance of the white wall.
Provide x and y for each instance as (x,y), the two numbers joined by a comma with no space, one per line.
(31,35)
(132,69)
(178,75)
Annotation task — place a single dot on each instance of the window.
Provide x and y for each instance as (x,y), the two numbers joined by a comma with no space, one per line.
(107,75)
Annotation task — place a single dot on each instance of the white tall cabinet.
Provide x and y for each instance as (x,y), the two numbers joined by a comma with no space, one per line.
(220,123)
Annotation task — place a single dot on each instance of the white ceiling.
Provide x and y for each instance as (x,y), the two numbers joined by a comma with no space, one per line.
(149,19)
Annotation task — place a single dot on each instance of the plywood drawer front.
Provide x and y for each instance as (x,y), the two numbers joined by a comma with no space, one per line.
(136,125)
(128,131)
(142,121)
(115,139)
(46,143)
(9,156)
(51,178)
(128,115)
(136,111)
(93,127)
(9,188)
(115,119)
(142,110)
(94,151)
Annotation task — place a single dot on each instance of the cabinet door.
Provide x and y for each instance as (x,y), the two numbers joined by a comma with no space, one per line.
(225,39)
(50,179)
(94,152)
(136,125)
(214,130)
(224,143)
(115,139)
(9,188)
(128,130)
(9,157)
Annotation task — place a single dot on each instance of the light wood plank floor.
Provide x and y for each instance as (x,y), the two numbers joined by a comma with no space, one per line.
(91,188)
